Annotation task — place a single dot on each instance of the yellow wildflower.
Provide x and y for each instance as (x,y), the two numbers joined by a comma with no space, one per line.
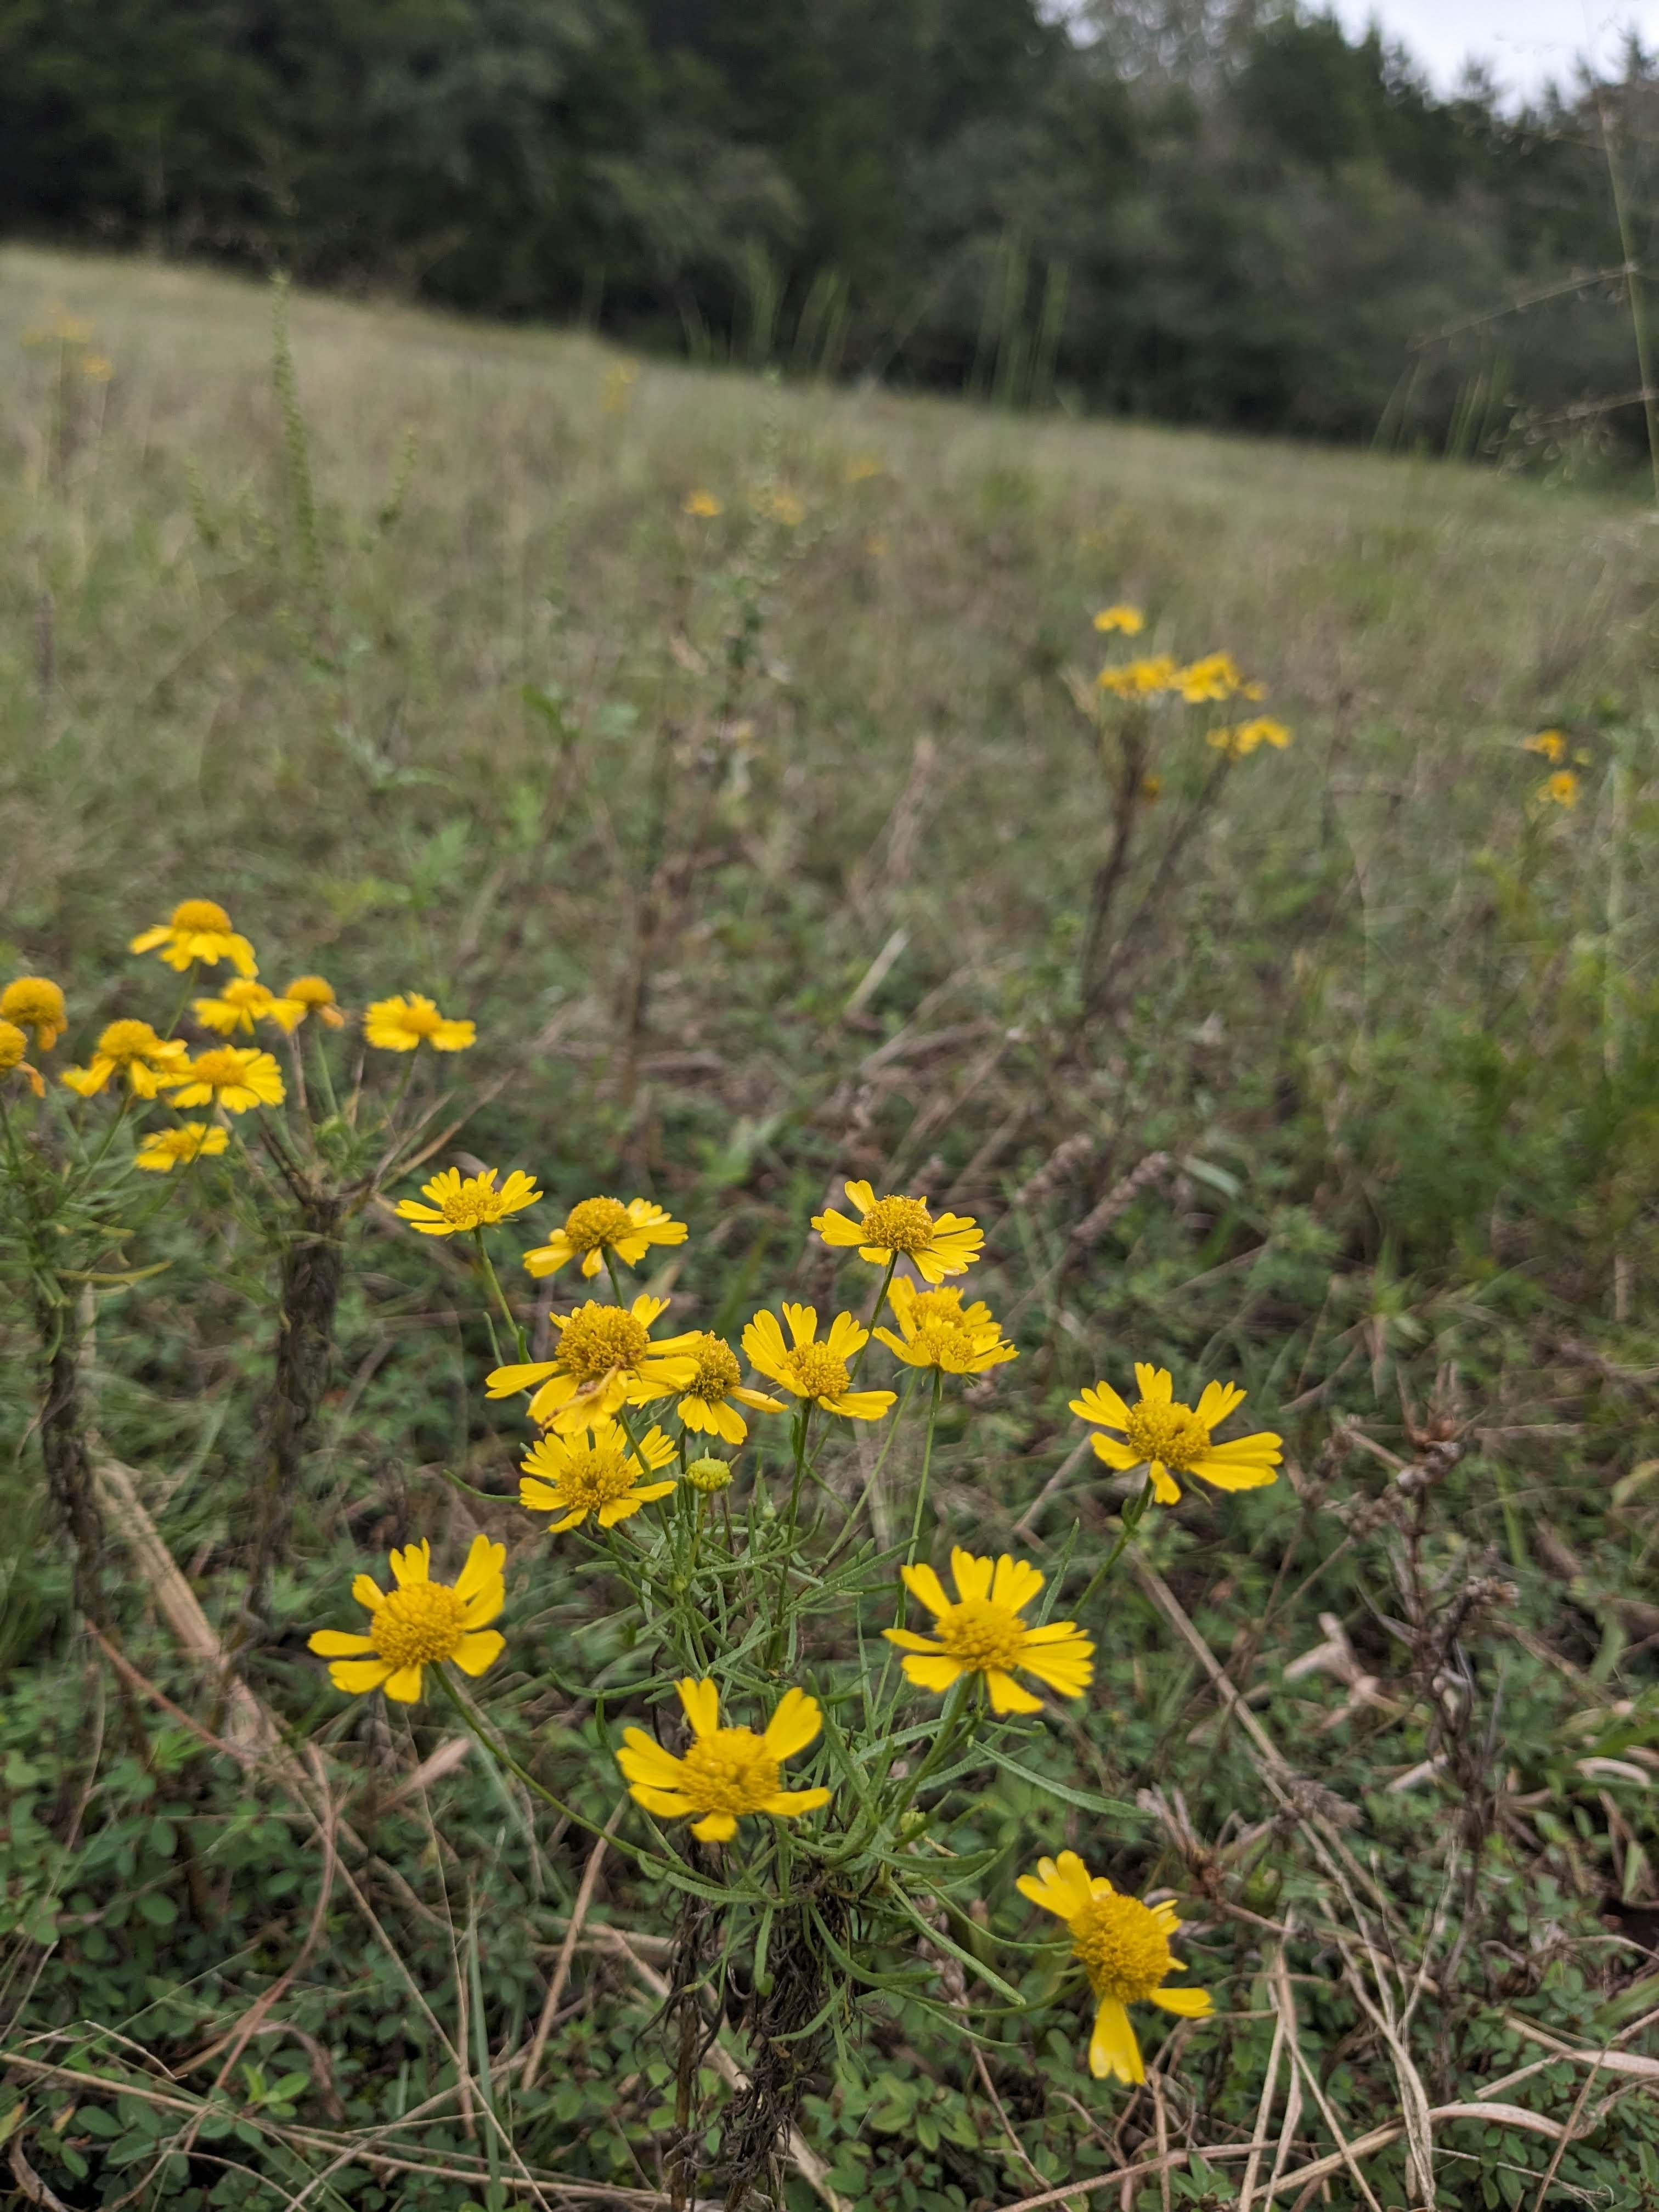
(162,1149)
(197,930)
(599,1474)
(314,995)
(36,1003)
(1129,620)
(709,1474)
(241,1004)
(1560,789)
(1140,679)
(703,504)
(1151,788)
(728,1772)
(888,1227)
(1163,1434)
(133,1049)
(938,1331)
(12,1046)
(420,1624)
(983,1634)
(862,468)
(97,367)
(706,1408)
(1214,677)
(399,1024)
(461,1202)
(607,1358)
(1124,1948)
(235,1077)
(1241,741)
(1550,743)
(600,1224)
(807,1368)
(786,508)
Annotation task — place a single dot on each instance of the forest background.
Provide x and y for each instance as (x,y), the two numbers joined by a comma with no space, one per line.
(1211,212)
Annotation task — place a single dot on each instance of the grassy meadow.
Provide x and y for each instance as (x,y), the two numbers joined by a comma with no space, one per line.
(767,848)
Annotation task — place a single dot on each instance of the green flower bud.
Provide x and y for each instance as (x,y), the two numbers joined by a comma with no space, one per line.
(709,1474)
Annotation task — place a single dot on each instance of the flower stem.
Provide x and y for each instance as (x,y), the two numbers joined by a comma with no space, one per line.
(1133,1512)
(495,1283)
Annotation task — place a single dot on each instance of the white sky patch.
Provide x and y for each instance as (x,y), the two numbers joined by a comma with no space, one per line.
(1523,42)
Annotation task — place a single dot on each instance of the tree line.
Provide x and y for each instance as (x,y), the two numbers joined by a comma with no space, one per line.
(1225,212)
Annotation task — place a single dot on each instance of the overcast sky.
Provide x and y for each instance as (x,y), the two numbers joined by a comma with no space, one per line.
(1525,41)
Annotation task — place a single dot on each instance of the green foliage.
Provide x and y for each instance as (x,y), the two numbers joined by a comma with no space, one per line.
(1253,221)
(1365,1129)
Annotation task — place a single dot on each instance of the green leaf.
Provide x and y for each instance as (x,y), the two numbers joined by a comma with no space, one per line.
(1086,1801)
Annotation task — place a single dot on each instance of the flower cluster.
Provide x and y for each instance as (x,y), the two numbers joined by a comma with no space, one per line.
(145,1067)
(592,1471)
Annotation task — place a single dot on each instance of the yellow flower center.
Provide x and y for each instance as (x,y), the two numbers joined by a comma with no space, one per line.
(1123,1948)
(598,1339)
(239,992)
(597,1221)
(475,1202)
(420,1018)
(940,1339)
(1172,1434)
(220,1068)
(709,1474)
(729,1771)
(898,1224)
(125,1042)
(424,1622)
(310,991)
(818,1372)
(717,1371)
(13,1044)
(979,1635)
(200,914)
(593,1477)
(33,1000)
(940,1308)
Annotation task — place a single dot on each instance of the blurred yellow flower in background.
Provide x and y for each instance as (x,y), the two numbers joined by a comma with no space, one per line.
(1129,620)
(703,504)
(241,1004)
(36,1003)
(235,1077)
(314,995)
(162,1149)
(1550,743)
(400,1024)
(197,929)
(13,1047)
(133,1049)
(1560,789)
(1140,679)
